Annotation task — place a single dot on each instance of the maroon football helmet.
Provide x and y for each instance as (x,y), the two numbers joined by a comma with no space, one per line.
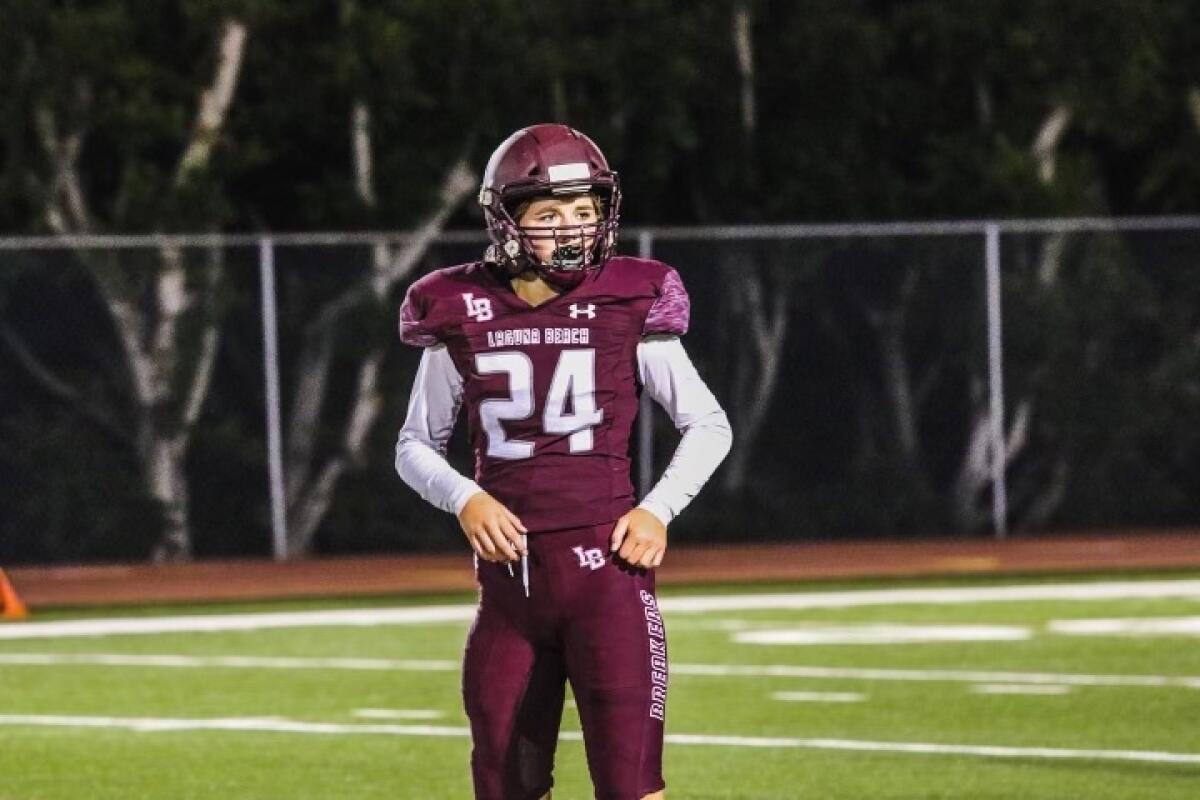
(546,161)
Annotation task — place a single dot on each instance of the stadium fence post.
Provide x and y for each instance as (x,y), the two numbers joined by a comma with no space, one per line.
(266,269)
(996,379)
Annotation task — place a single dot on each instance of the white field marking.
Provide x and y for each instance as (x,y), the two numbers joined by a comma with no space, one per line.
(1020,688)
(1108,590)
(691,670)
(362,617)
(882,634)
(819,697)
(1136,626)
(699,604)
(931,675)
(271,724)
(276,725)
(985,751)
(398,713)
(234,662)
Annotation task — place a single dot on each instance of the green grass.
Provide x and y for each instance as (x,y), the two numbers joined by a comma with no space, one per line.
(56,763)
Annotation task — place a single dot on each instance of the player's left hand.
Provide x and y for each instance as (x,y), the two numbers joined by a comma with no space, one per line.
(640,539)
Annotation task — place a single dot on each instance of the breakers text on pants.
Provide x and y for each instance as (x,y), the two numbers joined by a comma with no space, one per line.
(658,657)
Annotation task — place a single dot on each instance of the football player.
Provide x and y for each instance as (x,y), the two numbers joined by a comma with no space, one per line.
(548,343)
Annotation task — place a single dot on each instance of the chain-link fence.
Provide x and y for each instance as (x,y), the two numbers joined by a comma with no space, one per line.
(166,396)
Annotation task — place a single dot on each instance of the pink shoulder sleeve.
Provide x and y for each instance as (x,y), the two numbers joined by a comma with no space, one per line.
(671,309)
(414,325)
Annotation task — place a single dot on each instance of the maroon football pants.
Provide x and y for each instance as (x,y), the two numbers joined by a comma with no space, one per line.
(589,620)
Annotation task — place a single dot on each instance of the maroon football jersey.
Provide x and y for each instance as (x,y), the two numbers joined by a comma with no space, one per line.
(550,391)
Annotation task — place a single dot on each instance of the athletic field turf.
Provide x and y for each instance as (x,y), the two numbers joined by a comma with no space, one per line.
(1015,688)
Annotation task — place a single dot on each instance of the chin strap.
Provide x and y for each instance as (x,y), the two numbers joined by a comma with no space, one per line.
(511,260)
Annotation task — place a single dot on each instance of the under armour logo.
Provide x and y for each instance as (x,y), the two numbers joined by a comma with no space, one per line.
(593,557)
(478,309)
(578,311)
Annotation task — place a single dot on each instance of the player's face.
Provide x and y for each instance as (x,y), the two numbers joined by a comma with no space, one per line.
(565,224)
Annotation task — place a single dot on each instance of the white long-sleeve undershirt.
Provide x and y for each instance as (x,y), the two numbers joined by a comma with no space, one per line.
(671,380)
(421,447)
(666,373)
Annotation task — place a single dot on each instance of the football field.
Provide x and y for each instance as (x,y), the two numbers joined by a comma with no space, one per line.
(1084,687)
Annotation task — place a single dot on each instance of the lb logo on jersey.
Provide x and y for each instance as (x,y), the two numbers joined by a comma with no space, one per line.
(478,308)
(578,311)
(592,558)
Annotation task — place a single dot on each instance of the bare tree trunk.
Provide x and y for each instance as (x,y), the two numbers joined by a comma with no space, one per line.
(759,303)
(214,102)
(169,438)
(741,32)
(971,504)
(743,47)
(168,484)
(971,509)
(984,104)
(309,498)
(558,97)
(166,320)
(760,309)
(889,326)
(1047,498)
(1045,144)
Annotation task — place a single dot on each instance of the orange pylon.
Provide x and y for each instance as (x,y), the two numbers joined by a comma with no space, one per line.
(11,606)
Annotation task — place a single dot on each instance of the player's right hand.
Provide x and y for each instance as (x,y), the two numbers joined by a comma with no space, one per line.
(494,532)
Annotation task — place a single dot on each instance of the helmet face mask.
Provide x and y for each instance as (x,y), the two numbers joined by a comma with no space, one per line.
(549,161)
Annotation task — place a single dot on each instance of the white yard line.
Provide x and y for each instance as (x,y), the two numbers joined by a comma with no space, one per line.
(398,713)
(1106,590)
(276,725)
(881,633)
(1135,626)
(269,724)
(986,751)
(231,662)
(931,675)
(699,604)
(1020,688)
(819,697)
(680,669)
(204,623)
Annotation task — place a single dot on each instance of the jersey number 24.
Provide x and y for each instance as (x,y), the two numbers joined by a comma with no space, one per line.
(574,378)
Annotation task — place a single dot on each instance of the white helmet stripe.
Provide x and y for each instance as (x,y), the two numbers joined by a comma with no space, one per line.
(569,172)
